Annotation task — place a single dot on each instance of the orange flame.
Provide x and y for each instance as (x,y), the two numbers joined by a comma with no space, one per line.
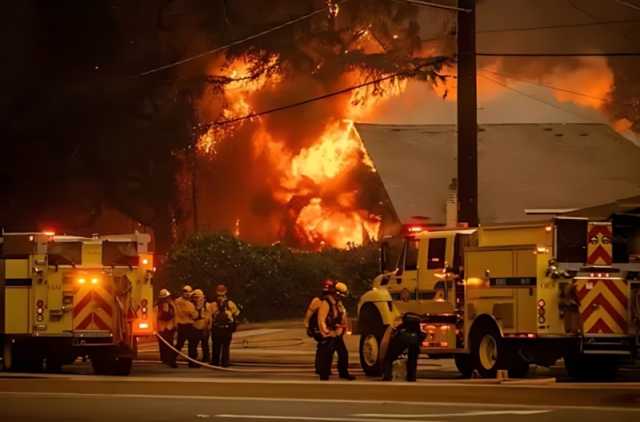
(316,174)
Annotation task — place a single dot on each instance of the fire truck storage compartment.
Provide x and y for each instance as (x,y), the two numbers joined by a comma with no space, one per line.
(501,281)
(16,293)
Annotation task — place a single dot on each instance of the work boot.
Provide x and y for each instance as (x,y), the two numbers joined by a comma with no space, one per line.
(348,377)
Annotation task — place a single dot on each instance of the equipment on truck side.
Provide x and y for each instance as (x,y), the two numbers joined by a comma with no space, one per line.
(64,297)
(507,296)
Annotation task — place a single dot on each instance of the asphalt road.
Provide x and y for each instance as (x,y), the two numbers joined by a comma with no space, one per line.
(141,408)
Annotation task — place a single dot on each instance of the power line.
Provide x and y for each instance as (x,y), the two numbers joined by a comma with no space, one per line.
(317,98)
(303,102)
(628,4)
(531,97)
(555,88)
(437,5)
(237,42)
(559,26)
(576,54)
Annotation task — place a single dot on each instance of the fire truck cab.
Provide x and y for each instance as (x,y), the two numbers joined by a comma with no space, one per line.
(64,297)
(507,296)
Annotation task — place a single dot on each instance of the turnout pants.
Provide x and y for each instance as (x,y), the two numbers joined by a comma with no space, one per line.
(201,339)
(326,349)
(167,355)
(401,341)
(186,334)
(221,342)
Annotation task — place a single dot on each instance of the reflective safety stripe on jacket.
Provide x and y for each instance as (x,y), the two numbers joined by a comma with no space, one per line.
(185,311)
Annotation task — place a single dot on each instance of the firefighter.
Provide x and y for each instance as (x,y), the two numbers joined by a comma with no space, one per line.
(311,317)
(406,336)
(201,324)
(185,316)
(166,313)
(332,322)
(224,314)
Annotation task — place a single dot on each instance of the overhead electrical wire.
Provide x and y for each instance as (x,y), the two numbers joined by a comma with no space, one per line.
(628,4)
(558,26)
(237,42)
(303,102)
(253,115)
(569,54)
(555,88)
(534,98)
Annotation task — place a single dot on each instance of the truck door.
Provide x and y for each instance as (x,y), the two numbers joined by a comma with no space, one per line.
(404,285)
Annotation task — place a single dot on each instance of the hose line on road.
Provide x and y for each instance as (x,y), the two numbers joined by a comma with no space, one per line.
(197,362)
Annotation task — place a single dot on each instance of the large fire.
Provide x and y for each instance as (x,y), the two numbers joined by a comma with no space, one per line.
(312,182)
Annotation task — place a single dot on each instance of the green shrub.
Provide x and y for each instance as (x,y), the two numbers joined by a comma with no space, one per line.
(268,282)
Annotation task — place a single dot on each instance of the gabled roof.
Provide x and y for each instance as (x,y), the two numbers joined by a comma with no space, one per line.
(520,166)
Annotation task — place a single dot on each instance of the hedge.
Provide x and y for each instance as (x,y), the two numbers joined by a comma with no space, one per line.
(267,282)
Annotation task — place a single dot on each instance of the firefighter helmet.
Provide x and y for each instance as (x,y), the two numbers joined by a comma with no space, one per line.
(164,293)
(221,290)
(341,289)
(328,286)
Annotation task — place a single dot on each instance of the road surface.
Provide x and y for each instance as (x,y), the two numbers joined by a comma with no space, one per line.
(272,379)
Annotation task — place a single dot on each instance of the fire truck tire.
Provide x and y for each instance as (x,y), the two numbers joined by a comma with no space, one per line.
(372,331)
(464,363)
(487,349)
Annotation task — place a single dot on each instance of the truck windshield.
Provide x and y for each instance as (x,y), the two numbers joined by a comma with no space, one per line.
(119,254)
(65,253)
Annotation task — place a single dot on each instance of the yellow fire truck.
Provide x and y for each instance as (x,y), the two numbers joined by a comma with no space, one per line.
(64,297)
(508,296)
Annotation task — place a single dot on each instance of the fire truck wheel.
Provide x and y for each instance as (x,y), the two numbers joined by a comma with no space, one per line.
(464,363)
(372,331)
(487,349)
(370,352)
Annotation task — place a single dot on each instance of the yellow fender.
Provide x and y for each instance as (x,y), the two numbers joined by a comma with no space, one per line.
(380,298)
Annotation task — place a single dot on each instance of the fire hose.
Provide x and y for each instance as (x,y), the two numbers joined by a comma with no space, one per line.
(202,364)
(197,362)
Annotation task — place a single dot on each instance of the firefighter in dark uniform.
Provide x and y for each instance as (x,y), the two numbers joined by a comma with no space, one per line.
(224,314)
(166,313)
(407,336)
(332,322)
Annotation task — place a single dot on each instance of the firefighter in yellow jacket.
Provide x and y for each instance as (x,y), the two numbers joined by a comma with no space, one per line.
(201,324)
(224,314)
(166,324)
(185,316)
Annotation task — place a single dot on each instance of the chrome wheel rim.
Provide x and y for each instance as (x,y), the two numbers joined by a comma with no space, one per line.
(370,350)
(488,351)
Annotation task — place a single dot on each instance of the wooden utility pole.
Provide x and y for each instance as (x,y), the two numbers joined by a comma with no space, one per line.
(467,115)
